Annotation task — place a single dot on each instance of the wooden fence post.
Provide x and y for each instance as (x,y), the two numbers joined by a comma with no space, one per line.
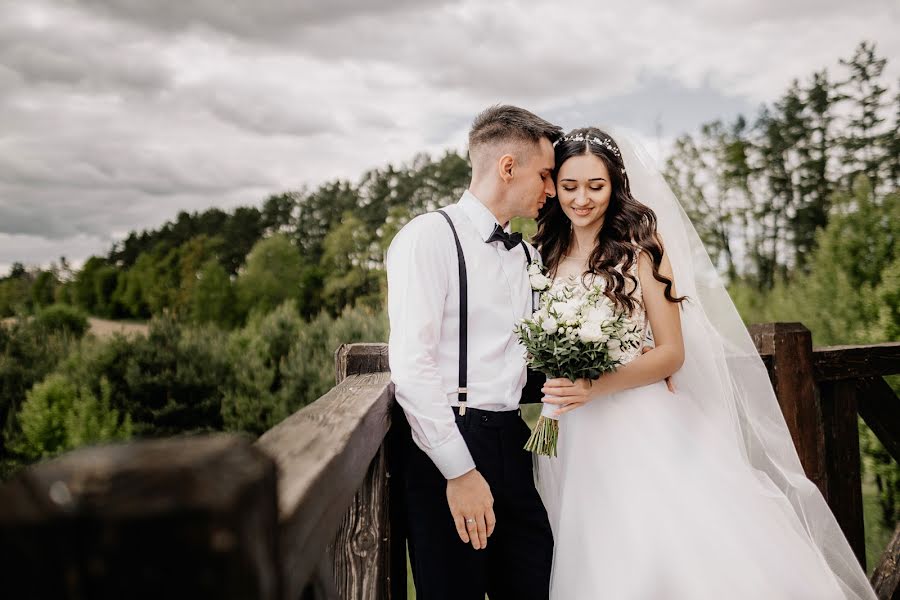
(790,345)
(822,419)
(370,546)
(186,517)
(839,400)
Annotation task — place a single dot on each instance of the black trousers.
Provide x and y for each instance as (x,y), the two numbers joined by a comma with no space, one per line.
(516,562)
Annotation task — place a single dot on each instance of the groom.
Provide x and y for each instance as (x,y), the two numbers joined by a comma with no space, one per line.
(457,286)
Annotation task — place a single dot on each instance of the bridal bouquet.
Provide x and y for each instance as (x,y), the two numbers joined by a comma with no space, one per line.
(576,332)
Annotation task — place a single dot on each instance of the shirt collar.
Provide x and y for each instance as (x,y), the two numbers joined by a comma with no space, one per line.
(483,219)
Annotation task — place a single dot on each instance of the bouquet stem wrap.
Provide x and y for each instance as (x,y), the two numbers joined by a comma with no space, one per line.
(545,436)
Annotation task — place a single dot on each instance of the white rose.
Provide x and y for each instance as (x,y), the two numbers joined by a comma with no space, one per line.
(534,269)
(566,310)
(549,325)
(590,332)
(614,344)
(599,313)
(539,282)
(615,354)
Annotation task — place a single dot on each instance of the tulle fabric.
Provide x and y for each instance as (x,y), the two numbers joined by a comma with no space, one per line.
(699,494)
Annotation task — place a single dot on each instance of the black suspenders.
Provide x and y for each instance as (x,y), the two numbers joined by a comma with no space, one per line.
(464,314)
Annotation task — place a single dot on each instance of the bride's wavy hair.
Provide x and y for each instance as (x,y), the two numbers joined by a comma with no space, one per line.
(628,225)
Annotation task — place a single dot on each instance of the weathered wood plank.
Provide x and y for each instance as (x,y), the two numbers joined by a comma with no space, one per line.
(359,359)
(879,407)
(853,362)
(840,424)
(362,548)
(790,345)
(323,452)
(886,577)
(186,517)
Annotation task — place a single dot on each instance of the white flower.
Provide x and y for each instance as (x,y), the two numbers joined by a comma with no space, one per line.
(539,281)
(566,310)
(615,354)
(613,344)
(549,325)
(590,332)
(598,314)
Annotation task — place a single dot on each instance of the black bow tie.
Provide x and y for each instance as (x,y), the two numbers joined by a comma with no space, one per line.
(510,240)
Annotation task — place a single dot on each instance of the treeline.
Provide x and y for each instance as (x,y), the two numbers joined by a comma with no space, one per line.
(322,248)
(758,189)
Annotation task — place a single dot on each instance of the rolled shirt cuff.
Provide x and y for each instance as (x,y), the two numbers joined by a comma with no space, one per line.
(452,458)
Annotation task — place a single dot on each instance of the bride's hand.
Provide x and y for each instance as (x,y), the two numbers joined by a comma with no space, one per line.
(567,394)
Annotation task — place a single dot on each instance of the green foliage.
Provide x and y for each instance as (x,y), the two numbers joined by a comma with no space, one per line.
(352,266)
(767,188)
(850,296)
(43,415)
(271,276)
(58,416)
(28,353)
(213,299)
(43,289)
(62,318)
(169,381)
(15,296)
(258,352)
(283,363)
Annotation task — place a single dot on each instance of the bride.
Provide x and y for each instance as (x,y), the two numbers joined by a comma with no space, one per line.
(659,495)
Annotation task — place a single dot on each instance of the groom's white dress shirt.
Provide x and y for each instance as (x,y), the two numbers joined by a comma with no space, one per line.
(423,305)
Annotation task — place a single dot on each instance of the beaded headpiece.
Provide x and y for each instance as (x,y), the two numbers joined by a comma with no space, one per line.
(604,142)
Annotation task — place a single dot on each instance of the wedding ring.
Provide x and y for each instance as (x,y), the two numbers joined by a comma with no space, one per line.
(470,521)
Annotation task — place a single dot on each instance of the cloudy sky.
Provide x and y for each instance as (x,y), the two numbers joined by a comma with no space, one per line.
(116,114)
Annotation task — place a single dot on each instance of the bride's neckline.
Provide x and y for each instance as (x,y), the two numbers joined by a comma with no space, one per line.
(567,256)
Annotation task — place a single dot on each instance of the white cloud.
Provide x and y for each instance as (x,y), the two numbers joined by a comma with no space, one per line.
(116,114)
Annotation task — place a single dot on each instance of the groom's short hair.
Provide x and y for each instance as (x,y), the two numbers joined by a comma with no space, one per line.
(509,124)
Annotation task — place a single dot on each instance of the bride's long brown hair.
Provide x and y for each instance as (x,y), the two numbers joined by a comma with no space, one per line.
(628,225)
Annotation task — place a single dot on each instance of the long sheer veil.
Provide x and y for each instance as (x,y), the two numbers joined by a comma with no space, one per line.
(724,374)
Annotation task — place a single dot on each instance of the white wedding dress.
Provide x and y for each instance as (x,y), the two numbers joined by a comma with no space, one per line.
(650,498)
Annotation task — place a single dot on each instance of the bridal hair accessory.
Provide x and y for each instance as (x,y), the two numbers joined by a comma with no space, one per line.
(606,143)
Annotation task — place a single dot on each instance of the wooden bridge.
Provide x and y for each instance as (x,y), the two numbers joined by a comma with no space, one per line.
(310,509)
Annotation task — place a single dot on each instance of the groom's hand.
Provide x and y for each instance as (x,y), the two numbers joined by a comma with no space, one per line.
(469,497)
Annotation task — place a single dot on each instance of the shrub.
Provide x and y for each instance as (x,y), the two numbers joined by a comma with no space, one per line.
(62,318)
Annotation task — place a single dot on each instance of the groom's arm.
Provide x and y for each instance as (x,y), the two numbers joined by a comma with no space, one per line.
(418,281)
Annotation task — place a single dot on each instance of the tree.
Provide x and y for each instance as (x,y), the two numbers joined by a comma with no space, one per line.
(271,275)
(43,289)
(213,299)
(814,180)
(85,286)
(892,146)
(317,212)
(353,265)
(57,416)
(863,95)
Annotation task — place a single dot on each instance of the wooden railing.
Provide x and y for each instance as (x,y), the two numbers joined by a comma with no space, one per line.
(311,509)
(822,392)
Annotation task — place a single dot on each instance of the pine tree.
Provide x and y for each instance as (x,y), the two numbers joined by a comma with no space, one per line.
(862,93)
